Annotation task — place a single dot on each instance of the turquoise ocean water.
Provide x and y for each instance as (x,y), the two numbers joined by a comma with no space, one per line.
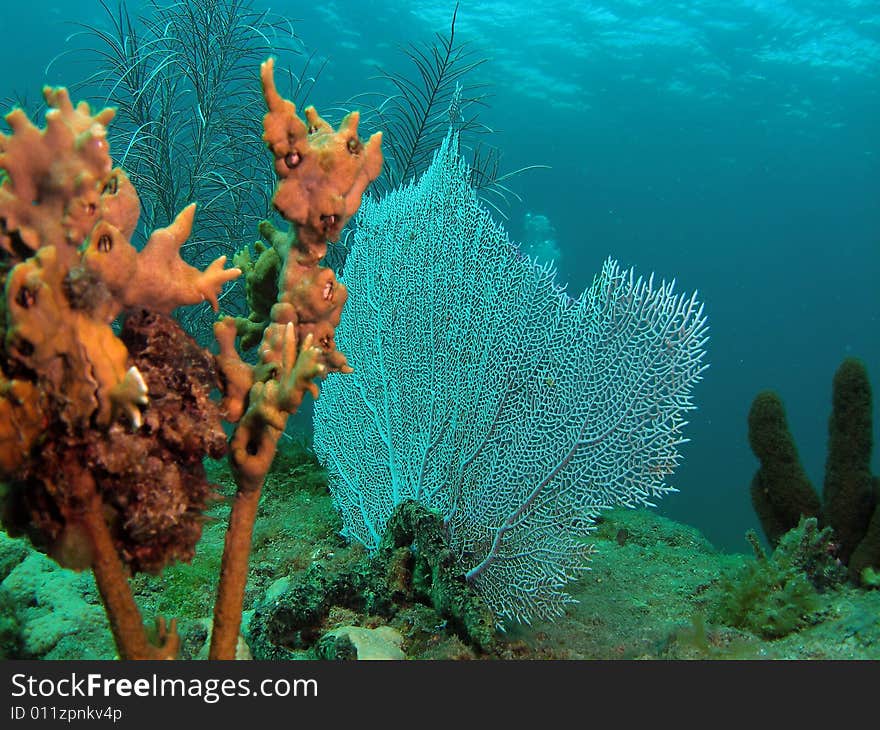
(732,145)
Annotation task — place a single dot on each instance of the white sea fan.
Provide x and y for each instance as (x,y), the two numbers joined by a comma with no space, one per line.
(486,393)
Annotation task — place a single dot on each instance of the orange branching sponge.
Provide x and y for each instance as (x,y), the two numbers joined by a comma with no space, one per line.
(21,421)
(322,177)
(102,435)
(322,173)
(61,180)
(98,475)
(130,275)
(66,216)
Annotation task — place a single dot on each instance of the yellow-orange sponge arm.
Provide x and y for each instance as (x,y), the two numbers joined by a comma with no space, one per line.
(322,174)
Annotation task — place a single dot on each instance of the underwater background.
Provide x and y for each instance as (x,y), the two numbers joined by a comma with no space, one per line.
(731,145)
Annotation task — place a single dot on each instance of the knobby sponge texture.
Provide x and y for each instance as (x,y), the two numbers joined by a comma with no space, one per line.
(151,481)
(781,491)
(89,417)
(850,503)
(322,175)
(848,495)
(322,172)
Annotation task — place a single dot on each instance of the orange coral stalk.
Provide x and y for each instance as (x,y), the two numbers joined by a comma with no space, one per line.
(73,392)
(322,177)
(122,612)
